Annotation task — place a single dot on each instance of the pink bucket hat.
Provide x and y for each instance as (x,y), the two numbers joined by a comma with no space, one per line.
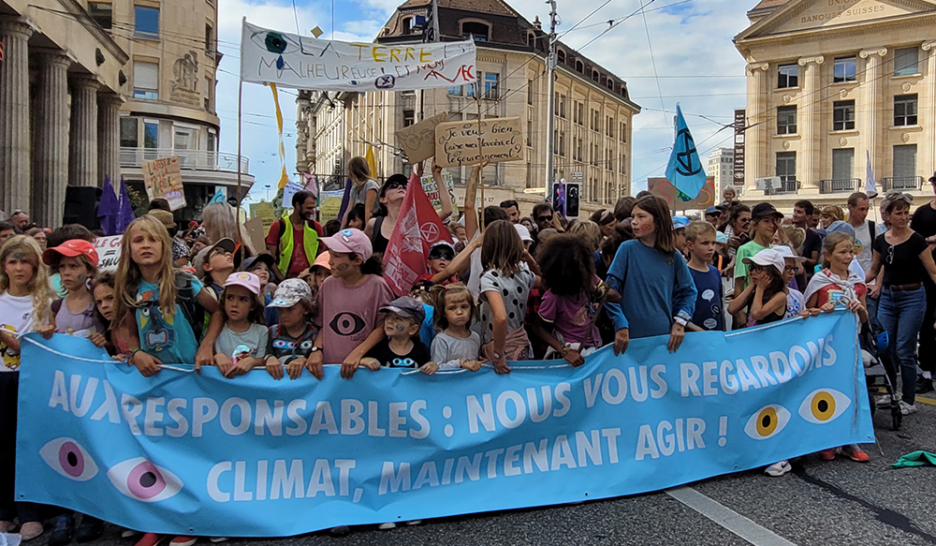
(247,280)
(350,241)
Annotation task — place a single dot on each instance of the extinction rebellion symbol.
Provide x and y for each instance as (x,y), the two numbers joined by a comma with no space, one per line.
(684,162)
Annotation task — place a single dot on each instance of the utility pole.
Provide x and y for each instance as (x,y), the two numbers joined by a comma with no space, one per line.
(550,97)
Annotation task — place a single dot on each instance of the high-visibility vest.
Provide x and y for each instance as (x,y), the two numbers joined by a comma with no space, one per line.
(310,244)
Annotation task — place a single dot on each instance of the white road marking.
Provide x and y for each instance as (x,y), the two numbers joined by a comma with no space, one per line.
(728,518)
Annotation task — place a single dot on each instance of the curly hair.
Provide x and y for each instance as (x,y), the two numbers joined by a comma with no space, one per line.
(567,265)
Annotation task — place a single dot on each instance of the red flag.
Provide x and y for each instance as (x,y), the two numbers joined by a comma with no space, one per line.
(418,228)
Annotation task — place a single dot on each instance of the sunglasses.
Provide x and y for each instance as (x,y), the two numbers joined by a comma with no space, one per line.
(445,253)
(396,184)
(217,251)
(544,219)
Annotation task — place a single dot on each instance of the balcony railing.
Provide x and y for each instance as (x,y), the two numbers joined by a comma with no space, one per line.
(189,159)
(903,183)
(409,101)
(840,185)
(786,186)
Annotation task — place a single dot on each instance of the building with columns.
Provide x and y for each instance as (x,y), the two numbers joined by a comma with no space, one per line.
(832,84)
(593,112)
(90,89)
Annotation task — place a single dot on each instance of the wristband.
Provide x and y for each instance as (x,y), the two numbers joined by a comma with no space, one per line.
(680,321)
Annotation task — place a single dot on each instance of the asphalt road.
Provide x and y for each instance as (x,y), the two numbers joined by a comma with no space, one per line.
(820,503)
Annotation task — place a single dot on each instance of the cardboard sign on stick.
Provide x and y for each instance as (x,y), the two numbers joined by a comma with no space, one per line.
(418,141)
(457,142)
(163,180)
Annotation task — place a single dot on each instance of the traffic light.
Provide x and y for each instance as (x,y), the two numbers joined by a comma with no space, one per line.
(573,193)
(559,198)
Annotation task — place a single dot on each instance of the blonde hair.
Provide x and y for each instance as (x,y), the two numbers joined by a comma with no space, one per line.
(796,236)
(128,276)
(39,286)
(359,171)
(833,212)
(220,221)
(697,229)
(589,231)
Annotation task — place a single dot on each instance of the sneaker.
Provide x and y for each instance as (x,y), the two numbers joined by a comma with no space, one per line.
(149,539)
(339,531)
(63,529)
(30,530)
(90,529)
(924,385)
(128,533)
(854,453)
(827,454)
(218,540)
(907,409)
(183,540)
(414,522)
(883,400)
(387,526)
(778,469)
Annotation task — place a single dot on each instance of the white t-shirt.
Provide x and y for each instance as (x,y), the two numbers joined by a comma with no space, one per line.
(15,316)
(795,303)
(474,275)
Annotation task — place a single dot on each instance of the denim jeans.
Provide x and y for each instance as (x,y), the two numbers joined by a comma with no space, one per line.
(901,314)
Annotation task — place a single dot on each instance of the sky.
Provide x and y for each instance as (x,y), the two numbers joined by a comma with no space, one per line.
(675,51)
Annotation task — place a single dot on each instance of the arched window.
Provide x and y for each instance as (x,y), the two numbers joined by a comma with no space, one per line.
(531,39)
(596,75)
(560,55)
(580,67)
(610,84)
(480,31)
(407,25)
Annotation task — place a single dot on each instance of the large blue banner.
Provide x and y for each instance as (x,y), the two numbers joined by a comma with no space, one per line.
(204,455)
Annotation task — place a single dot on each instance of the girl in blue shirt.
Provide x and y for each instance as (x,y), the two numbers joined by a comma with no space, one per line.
(652,278)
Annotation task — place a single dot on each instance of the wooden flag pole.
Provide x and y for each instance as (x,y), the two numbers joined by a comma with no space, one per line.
(480,153)
(237,196)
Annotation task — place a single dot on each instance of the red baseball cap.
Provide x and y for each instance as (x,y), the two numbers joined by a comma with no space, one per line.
(72,248)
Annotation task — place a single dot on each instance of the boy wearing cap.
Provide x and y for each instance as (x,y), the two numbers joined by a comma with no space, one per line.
(76,262)
(401,349)
(214,264)
(292,337)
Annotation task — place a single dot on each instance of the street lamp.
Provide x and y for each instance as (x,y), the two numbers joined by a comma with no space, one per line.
(268,192)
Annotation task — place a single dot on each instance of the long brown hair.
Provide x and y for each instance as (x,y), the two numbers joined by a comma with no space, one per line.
(128,277)
(502,248)
(662,222)
(359,171)
(38,286)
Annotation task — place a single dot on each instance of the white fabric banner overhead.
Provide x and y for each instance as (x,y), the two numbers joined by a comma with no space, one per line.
(290,60)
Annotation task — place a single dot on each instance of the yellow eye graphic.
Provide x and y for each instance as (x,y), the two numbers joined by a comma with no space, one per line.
(767,422)
(823,405)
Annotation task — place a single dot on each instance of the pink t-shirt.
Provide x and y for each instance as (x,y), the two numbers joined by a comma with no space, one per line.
(348,315)
(571,316)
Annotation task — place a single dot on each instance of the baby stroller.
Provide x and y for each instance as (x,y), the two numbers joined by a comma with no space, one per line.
(876,362)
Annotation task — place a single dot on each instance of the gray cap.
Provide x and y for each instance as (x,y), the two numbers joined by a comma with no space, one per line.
(406,307)
(290,292)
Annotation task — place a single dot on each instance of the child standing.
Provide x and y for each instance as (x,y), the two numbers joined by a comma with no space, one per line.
(76,263)
(700,243)
(792,265)
(455,346)
(25,296)
(113,338)
(348,303)
(261,265)
(292,337)
(402,347)
(767,293)
(242,343)
(214,264)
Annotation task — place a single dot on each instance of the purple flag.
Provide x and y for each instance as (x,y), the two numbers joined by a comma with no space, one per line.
(108,208)
(125,213)
(345,200)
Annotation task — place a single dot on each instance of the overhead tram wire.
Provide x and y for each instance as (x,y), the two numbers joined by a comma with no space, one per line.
(616,23)
(594,11)
(652,59)
(621,19)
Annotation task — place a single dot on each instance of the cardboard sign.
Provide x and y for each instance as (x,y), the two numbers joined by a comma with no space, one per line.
(679,201)
(108,249)
(163,180)
(457,142)
(329,205)
(255,232)
(431,189)
(418,141)
(265,212)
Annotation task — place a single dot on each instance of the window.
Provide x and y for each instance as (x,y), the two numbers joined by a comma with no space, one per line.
(407,25)
(145,80)
(596,75)
(477,30)
(208,92)
(594,120)
(146,22)
(786,166)
(530,92)
(470,88)
(561,57)
(786,120)
(905,110)
(490,85)
(209,40)
(905,161)
(578,149)
(580,67)
(623,164)
(150,135)
(845,70)
(623,133)
(455,90)
(906,61)
(102,13)
(787,76)
(610,127)
(562,106)
(843,115)
(555,104)
(562,144)
(409,117)
(843,164)
(129,136)
(581,113)
(610,84)
(529,139)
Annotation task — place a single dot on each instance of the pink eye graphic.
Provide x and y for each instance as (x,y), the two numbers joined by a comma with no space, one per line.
(142,480)
(69,459)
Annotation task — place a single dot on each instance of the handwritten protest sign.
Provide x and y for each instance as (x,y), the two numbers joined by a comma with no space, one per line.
(329,205)
(418,141)
(108,249)
(265,212)
(290,60)
(457,142)
(432,191)
(677,200)
(163,180)
(255,232)
(289,190)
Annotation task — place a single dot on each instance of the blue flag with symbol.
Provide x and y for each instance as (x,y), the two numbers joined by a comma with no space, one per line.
(685,170)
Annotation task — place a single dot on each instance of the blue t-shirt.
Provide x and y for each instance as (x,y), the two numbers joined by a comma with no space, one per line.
(170,339)
(426,330)
(708,308)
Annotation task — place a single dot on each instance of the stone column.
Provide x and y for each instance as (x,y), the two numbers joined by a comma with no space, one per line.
(50,140)
(109,138)
(928,115)
(810,122)
(14,115)
(756,138)
(871,106)
(83,146)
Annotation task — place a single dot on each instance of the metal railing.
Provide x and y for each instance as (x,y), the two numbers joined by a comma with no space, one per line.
(786,186)
(408,100)
(903,183)
(189,159)
(839,185)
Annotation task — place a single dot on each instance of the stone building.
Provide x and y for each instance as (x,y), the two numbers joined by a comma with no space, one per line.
(90,89)
(593,112)
(831,83)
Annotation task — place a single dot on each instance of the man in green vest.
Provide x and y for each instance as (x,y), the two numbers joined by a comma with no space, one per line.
(294,240)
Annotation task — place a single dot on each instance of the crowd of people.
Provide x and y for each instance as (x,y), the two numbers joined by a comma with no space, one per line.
(507,288)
